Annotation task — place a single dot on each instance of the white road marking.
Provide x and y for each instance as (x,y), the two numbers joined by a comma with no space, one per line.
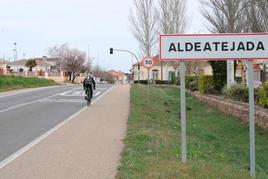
(2,95)
(25,104)
(49,100)
(78,93)
(97,93)
(45,135)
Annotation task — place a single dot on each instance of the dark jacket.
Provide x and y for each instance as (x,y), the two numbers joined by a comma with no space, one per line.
(92,82)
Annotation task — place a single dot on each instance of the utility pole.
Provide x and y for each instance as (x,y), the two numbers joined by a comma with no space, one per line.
(88,51)
(15,51)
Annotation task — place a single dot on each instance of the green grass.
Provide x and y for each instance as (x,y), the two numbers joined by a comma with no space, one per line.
(217,145)
(8,83)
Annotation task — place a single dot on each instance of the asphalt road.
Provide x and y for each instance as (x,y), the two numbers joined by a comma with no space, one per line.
(26,116)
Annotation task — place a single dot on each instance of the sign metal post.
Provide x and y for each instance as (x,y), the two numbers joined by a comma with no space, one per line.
(148,63)
(183,113)
(251,117)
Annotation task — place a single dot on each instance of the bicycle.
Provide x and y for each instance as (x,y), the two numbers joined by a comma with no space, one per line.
(88,96)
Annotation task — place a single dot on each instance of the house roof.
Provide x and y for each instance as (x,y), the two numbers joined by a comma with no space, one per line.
(17,62)
(39,61)
(3,61)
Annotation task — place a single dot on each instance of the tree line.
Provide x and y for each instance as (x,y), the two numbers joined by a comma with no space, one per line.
(149,18)
(73,61)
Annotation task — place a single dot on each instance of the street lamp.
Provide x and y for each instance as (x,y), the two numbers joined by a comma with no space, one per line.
(127,51)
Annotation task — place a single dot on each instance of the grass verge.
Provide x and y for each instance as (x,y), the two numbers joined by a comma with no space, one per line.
(8,83)
(217,145)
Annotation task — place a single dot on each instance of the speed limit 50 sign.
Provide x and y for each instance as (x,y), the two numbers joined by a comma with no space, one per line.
(148,62)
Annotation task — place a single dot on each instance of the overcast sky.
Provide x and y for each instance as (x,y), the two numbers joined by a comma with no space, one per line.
(36,25)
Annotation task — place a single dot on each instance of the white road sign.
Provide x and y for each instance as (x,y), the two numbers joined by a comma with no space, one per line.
(214,46)
(148,62)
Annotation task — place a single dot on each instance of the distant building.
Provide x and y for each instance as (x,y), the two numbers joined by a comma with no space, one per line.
(165,72)
(44,64)
(260,71)
(118,76)
(3,66)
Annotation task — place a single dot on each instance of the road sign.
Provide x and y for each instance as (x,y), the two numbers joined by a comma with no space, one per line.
(214,46)
(148,62)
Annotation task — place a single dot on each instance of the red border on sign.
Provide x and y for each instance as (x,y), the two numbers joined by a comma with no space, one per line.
(151,65)
(218,59)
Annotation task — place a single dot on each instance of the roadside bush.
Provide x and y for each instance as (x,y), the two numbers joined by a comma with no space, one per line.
(141,82)
(173,77)
(10,82)
(237,92)
(177,80)
(188,80)
(161,82)
(193,86)
(206,84)
(263,95)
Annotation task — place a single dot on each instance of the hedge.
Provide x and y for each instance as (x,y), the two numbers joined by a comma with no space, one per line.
(205,84)
(188,80)
(263,95)
(162,82)
(141,82)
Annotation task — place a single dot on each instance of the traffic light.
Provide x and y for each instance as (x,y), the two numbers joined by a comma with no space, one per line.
(111,50)
(138,66)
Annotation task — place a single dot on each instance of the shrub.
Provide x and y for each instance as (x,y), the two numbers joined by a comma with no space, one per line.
(173,77)
(219,73)
(177,80)
(161,82)
(237,92)
(188,80)
(206,84)
(193,86)
(263,95)
(141,82)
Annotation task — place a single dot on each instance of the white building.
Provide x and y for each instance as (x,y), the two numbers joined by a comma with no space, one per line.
(165,72)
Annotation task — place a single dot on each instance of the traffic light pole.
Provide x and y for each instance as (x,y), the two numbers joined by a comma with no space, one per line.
(127,51)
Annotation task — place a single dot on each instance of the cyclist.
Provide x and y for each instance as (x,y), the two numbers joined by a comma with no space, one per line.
(89,84)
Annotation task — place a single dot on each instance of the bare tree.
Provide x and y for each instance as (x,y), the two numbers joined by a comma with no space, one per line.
(71,60)
(263,6)
(224,16)
(172,20)
(143,21)
(257,15)
(58,51)
(172,16)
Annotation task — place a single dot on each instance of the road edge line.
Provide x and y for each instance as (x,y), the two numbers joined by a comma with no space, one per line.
(27,147)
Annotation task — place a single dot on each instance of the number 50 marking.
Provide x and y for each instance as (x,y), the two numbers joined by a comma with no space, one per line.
(148,62)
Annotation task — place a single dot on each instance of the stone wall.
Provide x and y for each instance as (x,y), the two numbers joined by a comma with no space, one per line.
(236,109)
